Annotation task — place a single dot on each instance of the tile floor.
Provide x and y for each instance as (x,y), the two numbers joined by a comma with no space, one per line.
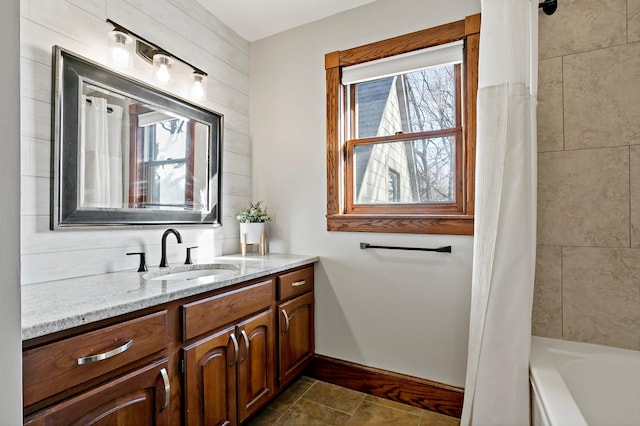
(309,402)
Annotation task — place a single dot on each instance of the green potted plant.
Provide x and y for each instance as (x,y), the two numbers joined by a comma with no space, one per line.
(252,220)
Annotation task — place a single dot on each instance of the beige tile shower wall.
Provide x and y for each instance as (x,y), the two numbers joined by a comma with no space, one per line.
(184,28)
(588,258)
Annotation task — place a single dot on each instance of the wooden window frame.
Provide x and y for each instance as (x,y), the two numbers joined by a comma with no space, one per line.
(458,221)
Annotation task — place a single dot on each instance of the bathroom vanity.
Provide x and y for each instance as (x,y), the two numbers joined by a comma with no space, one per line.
(121,349)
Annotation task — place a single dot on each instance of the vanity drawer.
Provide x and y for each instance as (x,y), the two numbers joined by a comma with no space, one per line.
(209,314)
(52,368)
(295,283)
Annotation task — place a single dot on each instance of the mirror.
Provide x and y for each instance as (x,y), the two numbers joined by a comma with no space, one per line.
(125,153)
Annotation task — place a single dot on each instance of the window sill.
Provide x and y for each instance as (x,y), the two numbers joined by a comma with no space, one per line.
(402,224)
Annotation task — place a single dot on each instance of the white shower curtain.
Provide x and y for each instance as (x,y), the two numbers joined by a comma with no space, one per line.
(100,154)
(114,143)
(497,386)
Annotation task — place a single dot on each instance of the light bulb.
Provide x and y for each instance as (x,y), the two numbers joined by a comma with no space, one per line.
(120,49)
(198,89)
(162,74)
(120,55)
(162,68)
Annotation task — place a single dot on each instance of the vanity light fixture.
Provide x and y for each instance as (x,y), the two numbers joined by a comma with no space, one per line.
(162,61)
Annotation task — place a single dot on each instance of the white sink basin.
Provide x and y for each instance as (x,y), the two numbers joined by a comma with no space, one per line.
(192,272)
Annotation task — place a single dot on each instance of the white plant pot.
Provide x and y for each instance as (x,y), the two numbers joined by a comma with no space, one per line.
(253,232)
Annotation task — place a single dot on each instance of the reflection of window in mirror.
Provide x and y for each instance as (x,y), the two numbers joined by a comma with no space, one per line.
(144,159)
(163,171)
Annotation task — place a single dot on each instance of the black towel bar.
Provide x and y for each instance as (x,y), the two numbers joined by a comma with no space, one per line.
(444,249)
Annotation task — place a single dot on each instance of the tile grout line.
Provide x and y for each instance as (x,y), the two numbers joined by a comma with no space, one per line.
(331,408)
(630,207)
(295,402)
(396,409)
(326,406)
(364,395)
(291,406)
(303,393)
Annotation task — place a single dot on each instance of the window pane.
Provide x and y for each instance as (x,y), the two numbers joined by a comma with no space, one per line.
(418,101)
(166,140)
(418,171)
(167,185)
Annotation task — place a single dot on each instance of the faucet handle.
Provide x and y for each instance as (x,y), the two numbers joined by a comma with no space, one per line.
(143,265)
(188,261)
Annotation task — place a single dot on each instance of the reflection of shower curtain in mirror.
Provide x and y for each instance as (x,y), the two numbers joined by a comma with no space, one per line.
(100,154)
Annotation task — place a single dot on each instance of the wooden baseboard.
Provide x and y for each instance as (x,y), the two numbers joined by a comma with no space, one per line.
(422,393)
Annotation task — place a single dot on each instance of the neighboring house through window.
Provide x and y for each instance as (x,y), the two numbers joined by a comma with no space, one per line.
(394,186)
(401,132)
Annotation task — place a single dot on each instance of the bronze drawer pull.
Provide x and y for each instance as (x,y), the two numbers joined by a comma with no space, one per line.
(235,348)
(298,283)
(167,388)
(105,355)
(286,319)
(246,343)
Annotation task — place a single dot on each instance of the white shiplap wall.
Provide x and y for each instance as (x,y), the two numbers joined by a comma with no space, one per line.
(184,28)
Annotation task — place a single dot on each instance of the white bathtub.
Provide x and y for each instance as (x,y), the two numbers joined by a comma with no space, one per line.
(575,384)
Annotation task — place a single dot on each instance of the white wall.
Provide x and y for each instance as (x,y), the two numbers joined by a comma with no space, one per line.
(402,311)
(11,347)
(184,28)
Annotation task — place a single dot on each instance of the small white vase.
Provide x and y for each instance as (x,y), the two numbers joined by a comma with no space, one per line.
(253,232)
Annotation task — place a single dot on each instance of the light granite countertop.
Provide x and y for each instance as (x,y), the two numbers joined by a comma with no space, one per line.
(53,306)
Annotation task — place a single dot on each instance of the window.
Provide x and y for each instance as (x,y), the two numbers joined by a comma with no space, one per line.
(401,132)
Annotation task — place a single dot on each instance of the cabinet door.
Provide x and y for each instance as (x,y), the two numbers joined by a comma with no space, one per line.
(210,380)
(137,398)
(296,336)
(256,368)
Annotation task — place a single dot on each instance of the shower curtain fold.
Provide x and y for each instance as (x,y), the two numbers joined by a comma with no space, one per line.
(497,387)
(114,143)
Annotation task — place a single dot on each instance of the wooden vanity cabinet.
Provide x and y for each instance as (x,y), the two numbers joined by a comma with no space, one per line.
(230,374)
(295,323)
(209,359)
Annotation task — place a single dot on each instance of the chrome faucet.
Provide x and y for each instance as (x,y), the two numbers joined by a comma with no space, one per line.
(163,259)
